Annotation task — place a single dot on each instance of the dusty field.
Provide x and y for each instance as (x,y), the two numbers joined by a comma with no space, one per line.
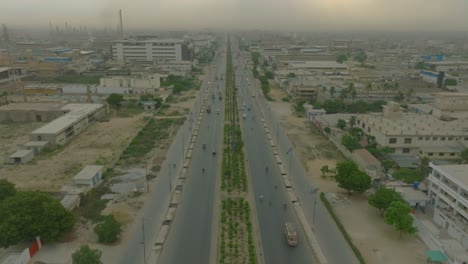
(99,144)
(376,240)
(13,136)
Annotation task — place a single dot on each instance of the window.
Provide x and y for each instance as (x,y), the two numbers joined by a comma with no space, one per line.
(430,154)
(450,138)
(392,140)
(368,129)
(406,150)
(452,154)
(434,138)
(466,138)
(408,140)
(442,138)
(441,154)
(420,138)
(420,152)
(427,138)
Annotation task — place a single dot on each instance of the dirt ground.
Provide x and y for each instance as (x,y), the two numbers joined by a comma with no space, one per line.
(98,144)
(377,241)
(13,136)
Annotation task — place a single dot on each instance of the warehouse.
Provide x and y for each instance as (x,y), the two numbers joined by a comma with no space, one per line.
(62,129)
(89,176)
(31,112)
(21,156)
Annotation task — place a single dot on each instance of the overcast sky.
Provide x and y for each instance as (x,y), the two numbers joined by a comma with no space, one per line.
(300,15)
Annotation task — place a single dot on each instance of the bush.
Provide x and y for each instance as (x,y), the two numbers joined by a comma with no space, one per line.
(407,175)
(108,230)
(86,255)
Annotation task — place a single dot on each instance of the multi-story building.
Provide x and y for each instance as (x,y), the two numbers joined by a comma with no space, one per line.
(448,194)
(450,105)
(150,50)
(415,134)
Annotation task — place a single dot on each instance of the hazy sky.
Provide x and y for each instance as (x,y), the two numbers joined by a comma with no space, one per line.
(300,15)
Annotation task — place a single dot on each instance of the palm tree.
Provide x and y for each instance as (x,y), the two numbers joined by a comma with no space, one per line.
(369,87)
(409,94)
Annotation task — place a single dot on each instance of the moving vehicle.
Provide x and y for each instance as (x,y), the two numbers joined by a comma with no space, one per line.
(291,235)
(208,109)
(217,111)
(244,116)
(220,95)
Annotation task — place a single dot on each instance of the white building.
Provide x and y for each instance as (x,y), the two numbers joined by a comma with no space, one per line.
(147,84)
(22,156)
(89,176)
(150,50)
(448,193)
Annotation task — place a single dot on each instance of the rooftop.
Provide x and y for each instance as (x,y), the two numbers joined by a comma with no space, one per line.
(31,106)
(457,172)
(21,153)
(36,144)
(150,41)
(406,124)
(88,172)
(317,64)
(411,194)
(76,112)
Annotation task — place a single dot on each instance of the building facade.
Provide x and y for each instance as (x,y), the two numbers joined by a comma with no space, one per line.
(150,50)
(448,194)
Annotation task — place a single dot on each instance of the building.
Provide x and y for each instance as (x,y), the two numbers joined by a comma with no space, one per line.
(368,163)
(414,197)
(76,118)
(448,194)
(150,50)
(31,112)
(8,74)
(317,65)
(90,175)
(22,156)
(36,146)
(147,84)
(415,134)
(450,105)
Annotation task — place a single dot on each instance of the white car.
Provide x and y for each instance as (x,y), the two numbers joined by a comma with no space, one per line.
(217,111)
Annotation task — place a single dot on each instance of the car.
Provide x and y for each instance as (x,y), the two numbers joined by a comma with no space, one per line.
(242,108)
(217,111)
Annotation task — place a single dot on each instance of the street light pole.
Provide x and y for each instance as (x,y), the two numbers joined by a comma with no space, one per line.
(146,175)
(290,158)
(170,180)
(143,242)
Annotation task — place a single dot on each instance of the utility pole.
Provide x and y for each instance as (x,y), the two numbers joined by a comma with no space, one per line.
(314,193)
(170,180)
(290,158)
(146,176)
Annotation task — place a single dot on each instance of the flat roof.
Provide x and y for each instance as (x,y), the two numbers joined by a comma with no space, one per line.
(88,172)
(76,112)
(458,172)
(21,153)
(36,143)
(318,64)
(31,106)
(150,41)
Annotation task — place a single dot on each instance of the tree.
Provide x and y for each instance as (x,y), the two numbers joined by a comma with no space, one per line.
(108,230)
(115,100)
(464,156)
(324,170)
(327,130)
(450,82)
(349,142)
(332,91)
(291,75)
(409,93)
(423,167)
(369,87)
(341,124)
(361,57)
(399,97)
(350,178)
(7,189)
(398,215)
(86,255)
(352,121)
(30,214)
(383,198)
(341,58)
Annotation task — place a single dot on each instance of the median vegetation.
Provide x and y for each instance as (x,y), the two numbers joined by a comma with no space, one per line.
(236,238)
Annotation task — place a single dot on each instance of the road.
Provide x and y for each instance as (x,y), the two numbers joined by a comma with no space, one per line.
(331,240)
(156,206)
(191,229)
(270,213)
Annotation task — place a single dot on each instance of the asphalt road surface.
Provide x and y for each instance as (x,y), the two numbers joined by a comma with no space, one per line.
(330,238)
(189,239)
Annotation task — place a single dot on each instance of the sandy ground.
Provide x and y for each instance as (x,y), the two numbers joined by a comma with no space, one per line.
(377,241)
(13,136)
(98,144)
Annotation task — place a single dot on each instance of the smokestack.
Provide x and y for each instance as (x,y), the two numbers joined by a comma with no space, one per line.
(5,33)
(121,23)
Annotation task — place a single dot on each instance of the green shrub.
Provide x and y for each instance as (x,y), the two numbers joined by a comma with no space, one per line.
(108,230)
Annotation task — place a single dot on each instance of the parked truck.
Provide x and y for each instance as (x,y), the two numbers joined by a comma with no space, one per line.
(291,235)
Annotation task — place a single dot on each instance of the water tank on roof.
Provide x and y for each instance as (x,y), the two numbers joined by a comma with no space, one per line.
(416,185)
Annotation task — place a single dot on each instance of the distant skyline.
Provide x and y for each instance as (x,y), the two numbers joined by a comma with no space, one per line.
(292,15)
